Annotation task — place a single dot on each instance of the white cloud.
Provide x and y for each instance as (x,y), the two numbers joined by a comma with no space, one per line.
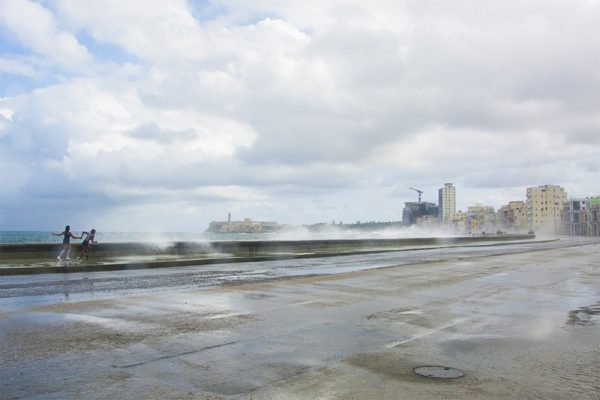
(37,28)
(332,108)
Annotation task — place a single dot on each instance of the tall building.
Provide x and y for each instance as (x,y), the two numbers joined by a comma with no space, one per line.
(447,202)
(512,217)
(413,211)
(544,208)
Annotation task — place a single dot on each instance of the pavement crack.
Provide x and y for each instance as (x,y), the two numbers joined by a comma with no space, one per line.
(174,355)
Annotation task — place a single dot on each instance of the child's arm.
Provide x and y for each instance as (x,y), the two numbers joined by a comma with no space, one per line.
(58,234)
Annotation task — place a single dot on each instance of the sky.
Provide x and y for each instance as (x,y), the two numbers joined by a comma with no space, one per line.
(163,115)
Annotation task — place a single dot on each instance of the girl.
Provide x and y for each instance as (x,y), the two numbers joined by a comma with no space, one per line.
(66,241)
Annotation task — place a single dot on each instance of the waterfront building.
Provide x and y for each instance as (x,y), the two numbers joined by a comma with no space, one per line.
(413,211)
(512,217)
(245,226)
(594,216)
(575,217)
(580,216)
(447,202)
(545,207)
(458,222)
(481,218)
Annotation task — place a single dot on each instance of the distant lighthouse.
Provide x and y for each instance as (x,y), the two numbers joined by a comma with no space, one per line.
(229,217)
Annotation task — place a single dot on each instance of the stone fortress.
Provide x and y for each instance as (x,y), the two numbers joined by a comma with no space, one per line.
(245,226)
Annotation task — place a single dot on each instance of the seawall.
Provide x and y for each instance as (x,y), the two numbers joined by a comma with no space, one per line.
(237,248)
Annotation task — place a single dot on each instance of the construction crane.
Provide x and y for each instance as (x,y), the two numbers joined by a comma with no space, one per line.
(418,191)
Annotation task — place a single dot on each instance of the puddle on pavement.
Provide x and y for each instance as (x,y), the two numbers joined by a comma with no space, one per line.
(584,316)
(439,372)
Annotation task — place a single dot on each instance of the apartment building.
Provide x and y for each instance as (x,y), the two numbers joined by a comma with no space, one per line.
(481,218)
(512,217)
(544,208)
(447,202)
(594,217)
(459,223)
(580,217)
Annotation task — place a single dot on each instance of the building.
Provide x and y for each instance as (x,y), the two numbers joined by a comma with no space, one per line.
(447,202)
(594,216)
(481,218)
(544,208)
(575,217)
(413,211)
(513,217)
(580,217)
(245,226)
(458,222)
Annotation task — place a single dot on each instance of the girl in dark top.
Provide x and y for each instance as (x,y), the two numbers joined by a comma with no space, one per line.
(67,235)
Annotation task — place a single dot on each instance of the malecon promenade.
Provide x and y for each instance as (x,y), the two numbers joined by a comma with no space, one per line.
(41,258)
(514,317)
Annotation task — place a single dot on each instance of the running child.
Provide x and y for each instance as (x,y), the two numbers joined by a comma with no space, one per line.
(85,245)
(67,235)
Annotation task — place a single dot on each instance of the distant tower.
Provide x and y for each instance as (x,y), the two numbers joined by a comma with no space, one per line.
(229,218)
(447,201)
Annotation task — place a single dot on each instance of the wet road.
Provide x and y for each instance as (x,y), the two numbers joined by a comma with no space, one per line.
(47,288)
(521,321)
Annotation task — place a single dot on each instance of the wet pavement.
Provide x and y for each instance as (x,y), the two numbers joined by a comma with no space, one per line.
(520,321)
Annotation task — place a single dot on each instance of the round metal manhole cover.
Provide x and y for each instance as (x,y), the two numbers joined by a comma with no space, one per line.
(439,372)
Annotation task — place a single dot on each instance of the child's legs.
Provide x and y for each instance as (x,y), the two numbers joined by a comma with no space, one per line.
(65,248)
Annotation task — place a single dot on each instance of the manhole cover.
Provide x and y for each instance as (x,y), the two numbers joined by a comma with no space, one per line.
(439,372)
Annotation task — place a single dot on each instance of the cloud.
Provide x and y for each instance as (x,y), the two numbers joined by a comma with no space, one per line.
(313,111)
(37,28)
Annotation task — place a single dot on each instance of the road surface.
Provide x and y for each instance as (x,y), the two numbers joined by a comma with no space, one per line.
(520,321)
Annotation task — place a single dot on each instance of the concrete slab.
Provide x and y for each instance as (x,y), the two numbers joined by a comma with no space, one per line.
(519,325)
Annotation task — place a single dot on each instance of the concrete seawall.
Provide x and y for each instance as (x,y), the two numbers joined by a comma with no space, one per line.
(41,258)
(237,248)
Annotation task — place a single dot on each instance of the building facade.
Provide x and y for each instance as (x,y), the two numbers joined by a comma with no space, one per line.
(545,207)
(447,202)
(575,217)
(513,217)
(480,219)
(459,223)
(594,216)
(580,217)
(413,211)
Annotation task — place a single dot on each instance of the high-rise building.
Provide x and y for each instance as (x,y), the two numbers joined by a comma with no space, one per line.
(414,210)
(544,207)
(447,202)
